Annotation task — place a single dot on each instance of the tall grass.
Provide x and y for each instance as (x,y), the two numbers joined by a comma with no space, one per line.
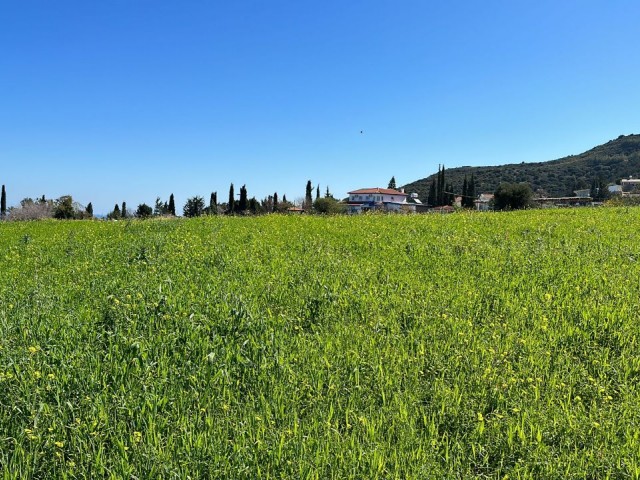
(461,346)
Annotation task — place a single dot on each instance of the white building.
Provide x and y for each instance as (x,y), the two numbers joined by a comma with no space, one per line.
(630,187)
(483,202)
(378,199)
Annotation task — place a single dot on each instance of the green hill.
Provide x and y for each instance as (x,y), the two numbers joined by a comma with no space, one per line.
(612,161)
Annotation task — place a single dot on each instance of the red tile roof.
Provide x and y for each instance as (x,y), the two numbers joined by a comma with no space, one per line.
(378,191)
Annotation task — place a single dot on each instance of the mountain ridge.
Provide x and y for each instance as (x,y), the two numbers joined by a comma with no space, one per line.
(611,161)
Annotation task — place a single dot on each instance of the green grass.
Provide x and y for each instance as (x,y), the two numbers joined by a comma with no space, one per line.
(461,346)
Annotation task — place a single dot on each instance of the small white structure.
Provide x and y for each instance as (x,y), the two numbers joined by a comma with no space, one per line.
(615,189)
(583,193)
(630,187)
(483,202)
(378,199)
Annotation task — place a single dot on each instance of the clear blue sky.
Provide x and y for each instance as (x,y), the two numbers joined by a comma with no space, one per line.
(127,100)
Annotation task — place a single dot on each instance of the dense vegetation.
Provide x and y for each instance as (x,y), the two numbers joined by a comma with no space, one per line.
(459,346)
(608,163)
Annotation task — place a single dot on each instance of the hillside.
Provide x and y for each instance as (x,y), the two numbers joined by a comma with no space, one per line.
(612,161)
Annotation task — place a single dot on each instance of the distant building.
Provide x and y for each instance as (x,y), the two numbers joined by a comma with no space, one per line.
(615,189)
(378,199)
(583,193)
(630,187)
(414,204)
(484,202)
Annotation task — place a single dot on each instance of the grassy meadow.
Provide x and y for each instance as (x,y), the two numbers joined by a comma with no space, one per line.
(392,347)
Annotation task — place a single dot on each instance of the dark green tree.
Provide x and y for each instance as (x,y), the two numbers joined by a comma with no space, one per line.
(471,192)
(441,188)
(160,208)
(308,199)
(243,203)
(89,210)
(512,196)
(253,205)
(172,206)
(599,190)
(318,192)
(432,198)
(144,211)
(267,203)
(392,183)
(115,214)
(465,187)
(232,201)
(123,210)
(63,209)
(3,203)
(284,199)
(327,194)
(449,197)
(275,202)
(194,207)
(213,203)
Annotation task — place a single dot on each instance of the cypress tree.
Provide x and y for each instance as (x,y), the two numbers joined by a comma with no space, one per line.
(284,199)
(392,183)
(3,203)
(465,200)
(471,192)
(232,200)
(243,204)
(123,211)
(443,188)
(318,192)
(116,212)
(308,200)
(213,203)
(275,202)
(90,210)
(431,199)
(327,194)
(438,189)
(439,186)
(172,205)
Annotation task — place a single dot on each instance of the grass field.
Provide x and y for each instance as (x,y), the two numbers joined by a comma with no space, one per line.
(460,346)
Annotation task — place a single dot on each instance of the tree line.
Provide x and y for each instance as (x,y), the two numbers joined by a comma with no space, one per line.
(441,192)
(237,204)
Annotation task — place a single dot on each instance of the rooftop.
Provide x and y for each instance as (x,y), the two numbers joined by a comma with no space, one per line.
(377,191)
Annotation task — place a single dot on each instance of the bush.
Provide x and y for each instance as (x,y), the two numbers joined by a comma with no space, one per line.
(328,206)
(194,207)
(30,210)
(512,196)
(144,211)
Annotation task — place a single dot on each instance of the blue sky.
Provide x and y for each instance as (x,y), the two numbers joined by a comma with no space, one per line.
(127,100)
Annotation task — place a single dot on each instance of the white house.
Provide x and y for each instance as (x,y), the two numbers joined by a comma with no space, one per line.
(378,199)
(483,202)
(630,187)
